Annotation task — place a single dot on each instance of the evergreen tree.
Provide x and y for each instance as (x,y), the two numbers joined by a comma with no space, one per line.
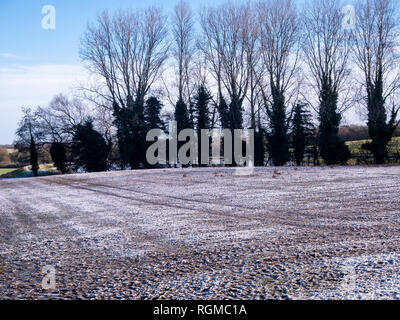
(123,120)
(223,111)
(376,50)
(89,148)
(332,148)
(302,128)
(181,116)
(380,130)
(182,119)
(203,120)
(131,132)
(153,114)
(202,99)
(278,144)
(58,155)
(236,122)
(231,117)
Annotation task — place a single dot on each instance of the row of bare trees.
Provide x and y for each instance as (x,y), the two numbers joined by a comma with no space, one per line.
(259,60)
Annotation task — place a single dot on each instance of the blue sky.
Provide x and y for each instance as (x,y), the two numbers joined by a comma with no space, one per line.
(22,36)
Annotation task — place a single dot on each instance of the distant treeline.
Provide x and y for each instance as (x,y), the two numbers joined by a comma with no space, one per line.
(357,133)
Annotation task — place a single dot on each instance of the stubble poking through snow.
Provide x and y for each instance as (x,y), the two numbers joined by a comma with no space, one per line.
(203,233)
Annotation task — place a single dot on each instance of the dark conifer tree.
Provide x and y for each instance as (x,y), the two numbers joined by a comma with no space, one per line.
(153,114)
(231,117)
(182,119)
(278,144)
(139,135)
(302,129)
(224,114)
(123,120)
(202,112)
(332,148)
(380,130)
(181,116)
(131,132)
(89,148)
(59,156)
(236,122)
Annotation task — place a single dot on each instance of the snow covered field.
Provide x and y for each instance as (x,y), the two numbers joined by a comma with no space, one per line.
(204,233)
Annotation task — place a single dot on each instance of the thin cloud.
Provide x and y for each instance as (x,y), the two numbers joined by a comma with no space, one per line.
(8,55)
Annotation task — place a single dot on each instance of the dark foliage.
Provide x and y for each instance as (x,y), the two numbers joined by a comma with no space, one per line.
(278,144)
(59,156)
(182,116)
(30,137)
(259,136)
(182,119)
(302,130)
(89,148)
(223,111)
(131,132)
(332,148)
(380,130)
(152,114)
(201,110)
(202,114)
(34,157)
(231,117)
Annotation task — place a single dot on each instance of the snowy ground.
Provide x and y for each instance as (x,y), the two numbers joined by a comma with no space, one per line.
(310,233)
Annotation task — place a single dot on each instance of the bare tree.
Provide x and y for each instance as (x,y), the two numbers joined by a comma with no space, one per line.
(252,43)
(326,48)
(256,73)
(279,57)
(59,119)
(30,137)
(209,45)
(225,47)
(326,44)
(376,37)
(184,47)
(127,51)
